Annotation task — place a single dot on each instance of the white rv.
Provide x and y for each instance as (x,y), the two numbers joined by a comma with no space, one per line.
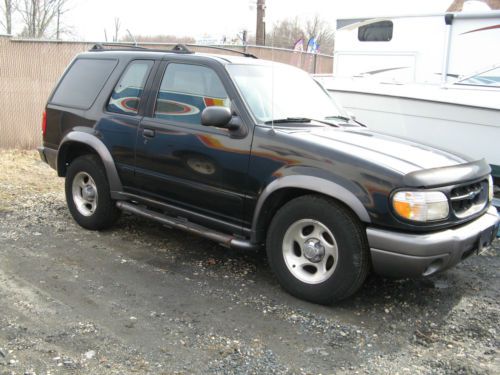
(430,78)
(425,48)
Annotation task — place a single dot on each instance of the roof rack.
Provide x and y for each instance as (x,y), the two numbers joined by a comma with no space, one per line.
(100,46)
(246,54)
(178,48)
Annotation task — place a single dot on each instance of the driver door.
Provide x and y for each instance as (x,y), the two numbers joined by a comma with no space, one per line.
(182,163)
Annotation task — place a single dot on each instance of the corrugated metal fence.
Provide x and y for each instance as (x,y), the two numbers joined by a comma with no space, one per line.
(30,69)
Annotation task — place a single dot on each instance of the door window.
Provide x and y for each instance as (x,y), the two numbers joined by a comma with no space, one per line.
(186,90)
(127,93)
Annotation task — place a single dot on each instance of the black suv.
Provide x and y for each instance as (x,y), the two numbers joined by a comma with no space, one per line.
(247,153)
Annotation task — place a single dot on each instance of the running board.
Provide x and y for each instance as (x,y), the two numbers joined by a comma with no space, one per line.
(223,239)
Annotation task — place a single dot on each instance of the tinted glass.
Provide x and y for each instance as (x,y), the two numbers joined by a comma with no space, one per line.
(376,32)
(186,90)
(83,82)
(127,94)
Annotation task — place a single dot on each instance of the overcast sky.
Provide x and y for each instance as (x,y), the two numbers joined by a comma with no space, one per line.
(89,18)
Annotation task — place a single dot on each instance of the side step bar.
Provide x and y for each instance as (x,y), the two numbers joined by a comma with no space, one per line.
(223,239)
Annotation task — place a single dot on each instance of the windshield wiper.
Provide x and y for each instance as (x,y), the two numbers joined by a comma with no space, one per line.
(343,118)
(346,119)
(299,120)
(288,120)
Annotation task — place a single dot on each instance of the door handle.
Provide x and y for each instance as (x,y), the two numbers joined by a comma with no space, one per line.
(149,133)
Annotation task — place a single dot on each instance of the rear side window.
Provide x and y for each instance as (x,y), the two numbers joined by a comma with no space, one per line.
(83,82)
(376,32)
(127,94)
(186,90)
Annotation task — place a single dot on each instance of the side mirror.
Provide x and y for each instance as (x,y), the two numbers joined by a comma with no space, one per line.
(216,116)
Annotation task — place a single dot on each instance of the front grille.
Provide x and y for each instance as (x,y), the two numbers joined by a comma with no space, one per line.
(467,200)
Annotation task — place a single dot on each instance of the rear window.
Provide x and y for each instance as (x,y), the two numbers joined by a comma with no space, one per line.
(376,32)
(83,82)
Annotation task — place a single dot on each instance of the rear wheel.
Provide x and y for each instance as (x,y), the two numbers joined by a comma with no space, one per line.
(88,194)
(318,249)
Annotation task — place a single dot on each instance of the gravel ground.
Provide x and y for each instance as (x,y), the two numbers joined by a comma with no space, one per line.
(144,299)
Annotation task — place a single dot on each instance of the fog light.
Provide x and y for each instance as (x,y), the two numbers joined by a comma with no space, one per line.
(421,205)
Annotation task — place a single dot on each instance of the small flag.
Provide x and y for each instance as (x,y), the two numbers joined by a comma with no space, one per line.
(312,46)
(299,45)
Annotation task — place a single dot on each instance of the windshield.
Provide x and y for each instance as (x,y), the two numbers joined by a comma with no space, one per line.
(295,93)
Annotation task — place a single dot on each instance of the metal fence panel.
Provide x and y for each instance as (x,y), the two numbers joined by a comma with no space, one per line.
(29,70)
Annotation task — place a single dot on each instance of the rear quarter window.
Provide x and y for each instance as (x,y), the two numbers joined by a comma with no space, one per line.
(83,82)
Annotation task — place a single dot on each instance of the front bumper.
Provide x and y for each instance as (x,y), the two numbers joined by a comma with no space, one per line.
(399,255)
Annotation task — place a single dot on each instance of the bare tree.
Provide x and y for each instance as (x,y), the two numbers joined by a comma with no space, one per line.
(159,39)
(287,32)
(117,29)
(7,8)
(61,9)
(39,16)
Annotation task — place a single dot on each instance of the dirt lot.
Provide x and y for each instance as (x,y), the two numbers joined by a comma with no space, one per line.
(143,299)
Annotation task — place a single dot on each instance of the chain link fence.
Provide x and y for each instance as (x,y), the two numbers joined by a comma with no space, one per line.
(29,69)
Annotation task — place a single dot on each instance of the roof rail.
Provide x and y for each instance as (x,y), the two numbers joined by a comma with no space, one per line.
(100,46)
(178,48)
(246,54)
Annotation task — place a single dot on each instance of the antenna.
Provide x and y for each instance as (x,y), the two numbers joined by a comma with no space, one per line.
(272,80)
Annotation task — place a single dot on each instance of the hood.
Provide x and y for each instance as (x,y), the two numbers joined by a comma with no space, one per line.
(394,153)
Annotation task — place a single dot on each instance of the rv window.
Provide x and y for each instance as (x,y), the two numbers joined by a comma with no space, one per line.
(376,32)
(489,78)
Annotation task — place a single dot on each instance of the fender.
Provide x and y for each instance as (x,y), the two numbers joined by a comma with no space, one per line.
(100,148)
(316,184)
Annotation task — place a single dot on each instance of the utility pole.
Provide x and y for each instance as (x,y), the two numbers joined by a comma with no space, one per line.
(260,34)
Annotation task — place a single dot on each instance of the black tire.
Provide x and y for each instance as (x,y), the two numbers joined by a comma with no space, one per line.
(351,266)
(105,213)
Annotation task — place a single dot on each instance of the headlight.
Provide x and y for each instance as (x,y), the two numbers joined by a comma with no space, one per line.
(421,205)
(490,188)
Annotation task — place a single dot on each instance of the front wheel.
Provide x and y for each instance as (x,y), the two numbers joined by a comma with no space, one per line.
(318,249)
(88,195)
